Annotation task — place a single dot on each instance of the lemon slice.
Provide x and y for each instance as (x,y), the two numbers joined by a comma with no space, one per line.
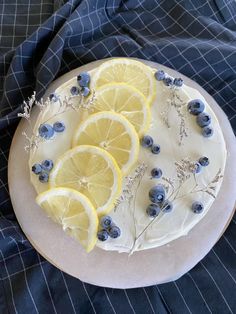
(74,212)
(129,71)
(91,171)
(126,100)
(112,132)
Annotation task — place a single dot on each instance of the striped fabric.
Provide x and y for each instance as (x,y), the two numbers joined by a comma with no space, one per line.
(41,40)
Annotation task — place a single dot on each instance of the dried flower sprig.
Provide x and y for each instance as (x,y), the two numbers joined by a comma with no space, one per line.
(165,113)
(65,104)
(129,193)
(132,183)
(89,104)
(211,186)
(178,104)
(185,169)
(168,184)
(31,142)
(43,104)
(27,107)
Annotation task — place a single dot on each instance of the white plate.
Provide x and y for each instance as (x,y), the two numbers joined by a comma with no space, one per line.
(111,269)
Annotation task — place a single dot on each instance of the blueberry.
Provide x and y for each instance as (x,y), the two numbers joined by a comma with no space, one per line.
(85,91)
(204,161)
(167,207)
(59,126)
(203,119)
(168,81)
(46,131)
(106,222)
(53,97)
(207,131)
(74,90)
(36,168)
(197,207)
(114,232)
(43,177)
(156,173)
(157,194)
(198,167)
(159,75)
(153,210)
(147,141)
(102,235)
(47,164)
(178,82)
(156,149)
(196,106)
(83,79)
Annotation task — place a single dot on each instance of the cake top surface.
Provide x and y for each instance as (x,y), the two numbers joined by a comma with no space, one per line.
(172,162)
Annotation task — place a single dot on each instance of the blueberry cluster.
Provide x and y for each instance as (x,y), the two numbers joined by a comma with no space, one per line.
(108,229)
(159,203)
(202,162)
(47,131)
(43,169)
(147,142)
(160,75)
(83,80)
(196,107)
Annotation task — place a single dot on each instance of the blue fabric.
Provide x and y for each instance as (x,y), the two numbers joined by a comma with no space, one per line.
(197,38)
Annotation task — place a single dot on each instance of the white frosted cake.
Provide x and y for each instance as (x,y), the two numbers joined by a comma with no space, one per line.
(168,170)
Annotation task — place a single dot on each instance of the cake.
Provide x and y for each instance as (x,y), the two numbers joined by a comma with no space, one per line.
(160,189)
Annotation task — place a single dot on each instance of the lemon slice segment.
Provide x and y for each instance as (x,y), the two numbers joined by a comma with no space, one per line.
(74,212)
(91,171)
(129,71)
(112,132)
(126,100)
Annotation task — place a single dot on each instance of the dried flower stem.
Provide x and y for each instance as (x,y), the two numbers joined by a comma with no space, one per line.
(177,103)
(185,170)
(143,231)
(64,105)
(131,186)
(207,188)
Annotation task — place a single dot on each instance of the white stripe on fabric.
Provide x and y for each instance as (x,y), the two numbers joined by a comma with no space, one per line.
(163,299)
(199,291)
(25,275)
(221,262)
(15,254)
(88,296)
(9,280)
(107,296)
(229,244)
(26,269)
(149,300)
(131,306)
(182,297)
(72,304)
(46,282)
(218,288)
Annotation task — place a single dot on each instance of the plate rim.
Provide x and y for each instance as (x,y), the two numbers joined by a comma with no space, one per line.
(229,143)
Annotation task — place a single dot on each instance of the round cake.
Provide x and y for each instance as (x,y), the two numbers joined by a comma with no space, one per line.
(168,170)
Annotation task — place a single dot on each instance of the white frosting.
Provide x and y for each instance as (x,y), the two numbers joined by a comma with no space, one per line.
(132,220)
